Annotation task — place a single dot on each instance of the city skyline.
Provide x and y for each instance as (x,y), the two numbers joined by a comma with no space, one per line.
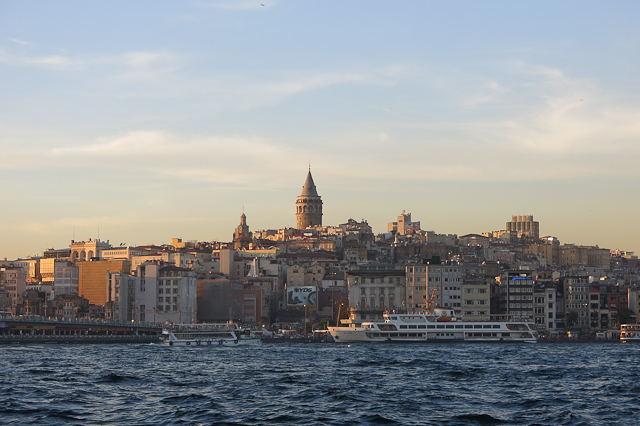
(160,120)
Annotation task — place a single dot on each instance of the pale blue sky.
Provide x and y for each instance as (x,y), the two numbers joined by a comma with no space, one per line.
(152,120)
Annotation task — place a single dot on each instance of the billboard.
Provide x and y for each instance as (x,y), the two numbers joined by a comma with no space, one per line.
(300,296)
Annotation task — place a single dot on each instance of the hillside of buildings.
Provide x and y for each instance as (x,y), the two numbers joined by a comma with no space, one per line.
(316,274)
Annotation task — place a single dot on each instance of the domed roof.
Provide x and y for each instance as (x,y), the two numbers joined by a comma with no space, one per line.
(309,188)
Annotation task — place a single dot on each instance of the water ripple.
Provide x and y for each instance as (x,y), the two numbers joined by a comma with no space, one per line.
(321,384)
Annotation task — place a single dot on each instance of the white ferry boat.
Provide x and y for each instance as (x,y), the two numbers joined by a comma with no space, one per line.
(225,334)
(630,333)
(439,327)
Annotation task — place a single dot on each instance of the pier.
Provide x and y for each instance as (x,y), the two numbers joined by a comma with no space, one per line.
(35,329)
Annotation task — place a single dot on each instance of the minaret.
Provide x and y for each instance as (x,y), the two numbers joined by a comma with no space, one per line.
(309,205)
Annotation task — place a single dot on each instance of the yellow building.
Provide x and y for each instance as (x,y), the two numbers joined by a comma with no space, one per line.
(92,278)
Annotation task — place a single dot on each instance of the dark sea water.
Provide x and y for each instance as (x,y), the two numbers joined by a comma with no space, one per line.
(300,384)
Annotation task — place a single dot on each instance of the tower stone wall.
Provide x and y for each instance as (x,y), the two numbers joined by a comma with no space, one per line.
(308,206)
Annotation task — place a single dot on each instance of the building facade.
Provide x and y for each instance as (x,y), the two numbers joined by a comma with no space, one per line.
(434,283)
(516,295)
(524,226)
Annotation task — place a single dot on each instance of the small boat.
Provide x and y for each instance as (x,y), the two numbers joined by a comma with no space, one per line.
(630,333)
(224,334)
(442,326)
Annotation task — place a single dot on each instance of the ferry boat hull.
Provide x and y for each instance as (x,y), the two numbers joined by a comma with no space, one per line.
(427,328)
(206,335)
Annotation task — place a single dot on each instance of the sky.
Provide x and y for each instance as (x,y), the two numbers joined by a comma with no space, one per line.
(139,122)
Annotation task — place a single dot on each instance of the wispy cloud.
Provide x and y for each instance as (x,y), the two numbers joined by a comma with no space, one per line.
(15,40)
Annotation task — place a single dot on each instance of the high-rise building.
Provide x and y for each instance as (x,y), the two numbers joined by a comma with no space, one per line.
(309,205)
(524,226)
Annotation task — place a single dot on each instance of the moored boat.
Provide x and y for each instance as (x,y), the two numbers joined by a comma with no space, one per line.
(439,327)
(630,333)
(225,334)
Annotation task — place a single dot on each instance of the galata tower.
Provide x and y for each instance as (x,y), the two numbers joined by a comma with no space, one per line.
(308,206)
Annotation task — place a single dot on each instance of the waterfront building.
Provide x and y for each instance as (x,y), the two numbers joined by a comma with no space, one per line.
(544,305)
(219,299)
(373,291)
(516,294)
(92,278)
(434,281)
(308,205)
(634,299)
(65,281)
(121,296)
(576,295)
(165,293)
(13,284)
(476,298)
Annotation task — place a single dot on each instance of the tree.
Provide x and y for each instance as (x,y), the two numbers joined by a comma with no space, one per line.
(624,315)
(572,318)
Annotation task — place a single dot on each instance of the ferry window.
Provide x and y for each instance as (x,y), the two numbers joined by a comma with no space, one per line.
(459,325)
(431,326)
(440,326)
(422,326)
(449,326)
(403,326)
(468,326)
(477,326)
(487,326)
(496,325)
(413,326)
(394,318)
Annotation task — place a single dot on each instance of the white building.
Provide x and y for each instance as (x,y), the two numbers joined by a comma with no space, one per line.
(371,292)
(434,282)
(156,293)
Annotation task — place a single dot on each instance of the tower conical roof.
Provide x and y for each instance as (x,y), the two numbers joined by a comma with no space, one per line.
(309,188)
